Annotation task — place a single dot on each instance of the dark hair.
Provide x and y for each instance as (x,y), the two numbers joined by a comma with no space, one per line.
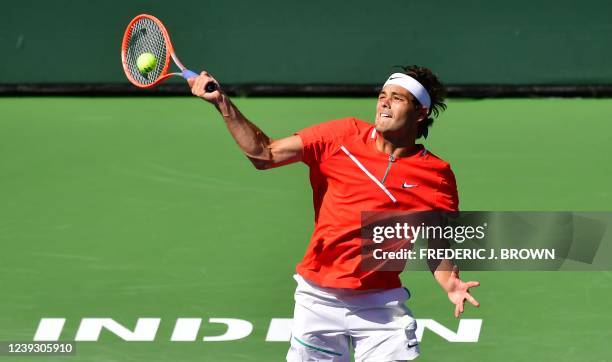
(436,91)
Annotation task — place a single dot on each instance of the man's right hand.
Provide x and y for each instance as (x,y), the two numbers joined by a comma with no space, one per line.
(198,83)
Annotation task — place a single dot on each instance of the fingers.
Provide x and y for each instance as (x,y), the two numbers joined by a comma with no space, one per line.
(198,84)
(458,309)
(472,284)
(468,296)
(197,88)
(193,83)
(472,300)
(460,298)
(207,78)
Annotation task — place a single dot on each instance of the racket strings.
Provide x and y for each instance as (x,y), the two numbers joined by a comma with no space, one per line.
(146,37)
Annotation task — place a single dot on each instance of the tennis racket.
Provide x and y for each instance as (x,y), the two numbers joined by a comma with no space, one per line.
(146,34)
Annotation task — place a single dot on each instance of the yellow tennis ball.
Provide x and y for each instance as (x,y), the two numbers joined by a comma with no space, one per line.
(146,62)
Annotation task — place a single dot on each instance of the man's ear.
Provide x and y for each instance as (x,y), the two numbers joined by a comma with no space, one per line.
(423,114)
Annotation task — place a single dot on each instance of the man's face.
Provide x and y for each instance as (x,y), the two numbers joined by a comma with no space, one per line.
(395,112)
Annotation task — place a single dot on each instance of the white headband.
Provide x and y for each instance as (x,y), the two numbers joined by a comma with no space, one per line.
(412,86)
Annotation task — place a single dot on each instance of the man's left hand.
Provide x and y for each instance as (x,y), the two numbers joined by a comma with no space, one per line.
(459,291)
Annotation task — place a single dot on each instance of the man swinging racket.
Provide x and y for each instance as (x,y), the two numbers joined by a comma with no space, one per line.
(356,166)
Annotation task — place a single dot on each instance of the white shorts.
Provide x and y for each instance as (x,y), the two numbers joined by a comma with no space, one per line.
(327,322)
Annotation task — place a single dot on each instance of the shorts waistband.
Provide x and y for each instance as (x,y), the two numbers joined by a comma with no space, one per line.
(308,291)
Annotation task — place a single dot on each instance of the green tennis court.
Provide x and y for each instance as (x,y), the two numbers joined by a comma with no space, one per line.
(130,208)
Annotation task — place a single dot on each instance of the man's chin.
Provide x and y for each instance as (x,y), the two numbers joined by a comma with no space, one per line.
(379,125)
(382,127)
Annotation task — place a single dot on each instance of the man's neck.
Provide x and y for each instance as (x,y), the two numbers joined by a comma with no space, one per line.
(397,148)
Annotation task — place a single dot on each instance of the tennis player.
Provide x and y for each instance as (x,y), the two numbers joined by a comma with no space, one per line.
(357,166)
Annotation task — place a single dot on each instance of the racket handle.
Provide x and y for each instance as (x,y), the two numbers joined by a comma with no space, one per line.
(189,74)
(209,87)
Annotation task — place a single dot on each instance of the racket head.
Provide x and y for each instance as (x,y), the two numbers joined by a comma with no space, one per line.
(146,34)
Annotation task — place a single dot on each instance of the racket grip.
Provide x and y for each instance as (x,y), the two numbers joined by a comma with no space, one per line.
(189,74)
(209,87)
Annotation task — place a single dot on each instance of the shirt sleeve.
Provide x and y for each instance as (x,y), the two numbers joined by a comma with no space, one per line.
(321,140)
(447,197)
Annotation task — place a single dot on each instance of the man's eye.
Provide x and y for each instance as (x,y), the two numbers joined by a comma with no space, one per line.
(398,98)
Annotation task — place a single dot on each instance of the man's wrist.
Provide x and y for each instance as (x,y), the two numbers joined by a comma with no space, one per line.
(223,105)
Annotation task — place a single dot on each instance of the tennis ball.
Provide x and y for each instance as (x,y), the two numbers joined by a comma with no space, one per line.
(146,62)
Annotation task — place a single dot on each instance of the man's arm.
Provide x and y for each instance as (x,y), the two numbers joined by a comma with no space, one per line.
(263,152)
(447,275)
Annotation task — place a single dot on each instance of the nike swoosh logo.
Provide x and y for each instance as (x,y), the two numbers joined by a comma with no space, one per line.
(407,186)
(394,78)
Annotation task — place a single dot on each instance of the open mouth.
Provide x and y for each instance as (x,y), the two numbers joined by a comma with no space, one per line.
(384,115)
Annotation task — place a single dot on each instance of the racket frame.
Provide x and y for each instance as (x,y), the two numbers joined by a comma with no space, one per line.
(185,73)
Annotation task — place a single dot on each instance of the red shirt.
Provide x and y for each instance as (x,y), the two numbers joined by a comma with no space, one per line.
(340,155)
